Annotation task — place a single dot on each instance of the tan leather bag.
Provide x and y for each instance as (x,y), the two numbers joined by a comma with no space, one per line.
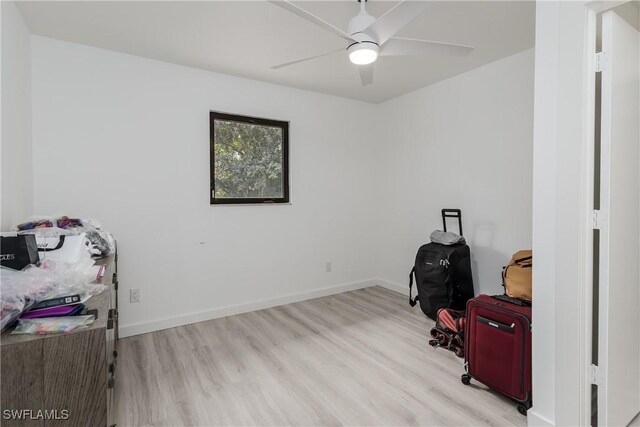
(516,276)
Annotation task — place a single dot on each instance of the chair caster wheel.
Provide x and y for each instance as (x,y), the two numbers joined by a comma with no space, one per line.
(522,409)
(466,379)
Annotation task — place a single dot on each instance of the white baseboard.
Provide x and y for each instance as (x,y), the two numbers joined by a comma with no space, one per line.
(200,316)
(536,420)
(401,289)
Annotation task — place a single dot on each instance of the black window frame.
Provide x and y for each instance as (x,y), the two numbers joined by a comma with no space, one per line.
(284,125)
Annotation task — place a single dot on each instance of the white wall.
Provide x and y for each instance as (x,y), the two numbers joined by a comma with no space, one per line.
(15,151)
(367,181)
(462,143)
(126,140)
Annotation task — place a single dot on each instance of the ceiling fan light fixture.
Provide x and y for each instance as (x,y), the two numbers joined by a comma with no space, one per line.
(363,53)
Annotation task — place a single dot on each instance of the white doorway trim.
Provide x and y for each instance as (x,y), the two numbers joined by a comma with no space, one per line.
(592,9)
(563,210)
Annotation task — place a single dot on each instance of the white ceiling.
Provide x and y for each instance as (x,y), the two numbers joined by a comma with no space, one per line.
(244,38)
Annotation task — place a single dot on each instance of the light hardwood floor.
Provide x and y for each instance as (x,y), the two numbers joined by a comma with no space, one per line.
(358,358)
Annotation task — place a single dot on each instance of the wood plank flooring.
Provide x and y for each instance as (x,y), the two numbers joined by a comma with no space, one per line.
(357,358)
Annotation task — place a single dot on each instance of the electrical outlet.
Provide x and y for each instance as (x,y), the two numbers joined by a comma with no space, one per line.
(329,267)
(134,295)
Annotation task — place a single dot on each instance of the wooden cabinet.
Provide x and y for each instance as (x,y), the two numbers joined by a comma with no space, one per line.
(64,379)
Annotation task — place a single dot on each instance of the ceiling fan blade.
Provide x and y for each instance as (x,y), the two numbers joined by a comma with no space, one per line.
(397,46)
(297,10)
(366,74)
(286,64)
(395,19)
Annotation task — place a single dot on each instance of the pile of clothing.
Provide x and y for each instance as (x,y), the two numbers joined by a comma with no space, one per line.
(62,222)
(99,242)
(60,266)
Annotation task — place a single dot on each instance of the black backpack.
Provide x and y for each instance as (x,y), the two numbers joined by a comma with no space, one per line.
(442,273)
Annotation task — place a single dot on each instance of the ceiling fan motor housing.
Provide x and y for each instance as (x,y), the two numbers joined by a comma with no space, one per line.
(360,22)
(364,49)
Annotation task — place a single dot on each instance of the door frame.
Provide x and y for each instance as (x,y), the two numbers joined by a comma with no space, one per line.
(563,157)
(588,376)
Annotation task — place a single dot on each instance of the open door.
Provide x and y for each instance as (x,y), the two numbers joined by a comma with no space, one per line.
(618,369)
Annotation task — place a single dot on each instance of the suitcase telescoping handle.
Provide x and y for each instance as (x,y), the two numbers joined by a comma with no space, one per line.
(452,213)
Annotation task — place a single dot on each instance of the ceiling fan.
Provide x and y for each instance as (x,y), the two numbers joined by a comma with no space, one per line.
(369,37)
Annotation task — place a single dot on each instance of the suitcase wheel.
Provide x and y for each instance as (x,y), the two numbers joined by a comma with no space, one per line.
(466,380)
(522,409)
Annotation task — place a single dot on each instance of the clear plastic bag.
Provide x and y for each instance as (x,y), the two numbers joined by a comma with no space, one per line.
(99,243)
(76,278)
(48,232)
(52,325)
(12,303)
(36,223)
(43,222)
(60,272)
(20,289)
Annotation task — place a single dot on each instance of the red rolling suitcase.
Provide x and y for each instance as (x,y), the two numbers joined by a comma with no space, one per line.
(498,346)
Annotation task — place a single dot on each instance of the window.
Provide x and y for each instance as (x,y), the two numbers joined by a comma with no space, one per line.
(249,160)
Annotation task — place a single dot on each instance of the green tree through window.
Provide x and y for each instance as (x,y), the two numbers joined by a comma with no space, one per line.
(249,159)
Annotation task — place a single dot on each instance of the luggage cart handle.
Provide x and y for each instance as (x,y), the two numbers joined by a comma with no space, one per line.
(452,213)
